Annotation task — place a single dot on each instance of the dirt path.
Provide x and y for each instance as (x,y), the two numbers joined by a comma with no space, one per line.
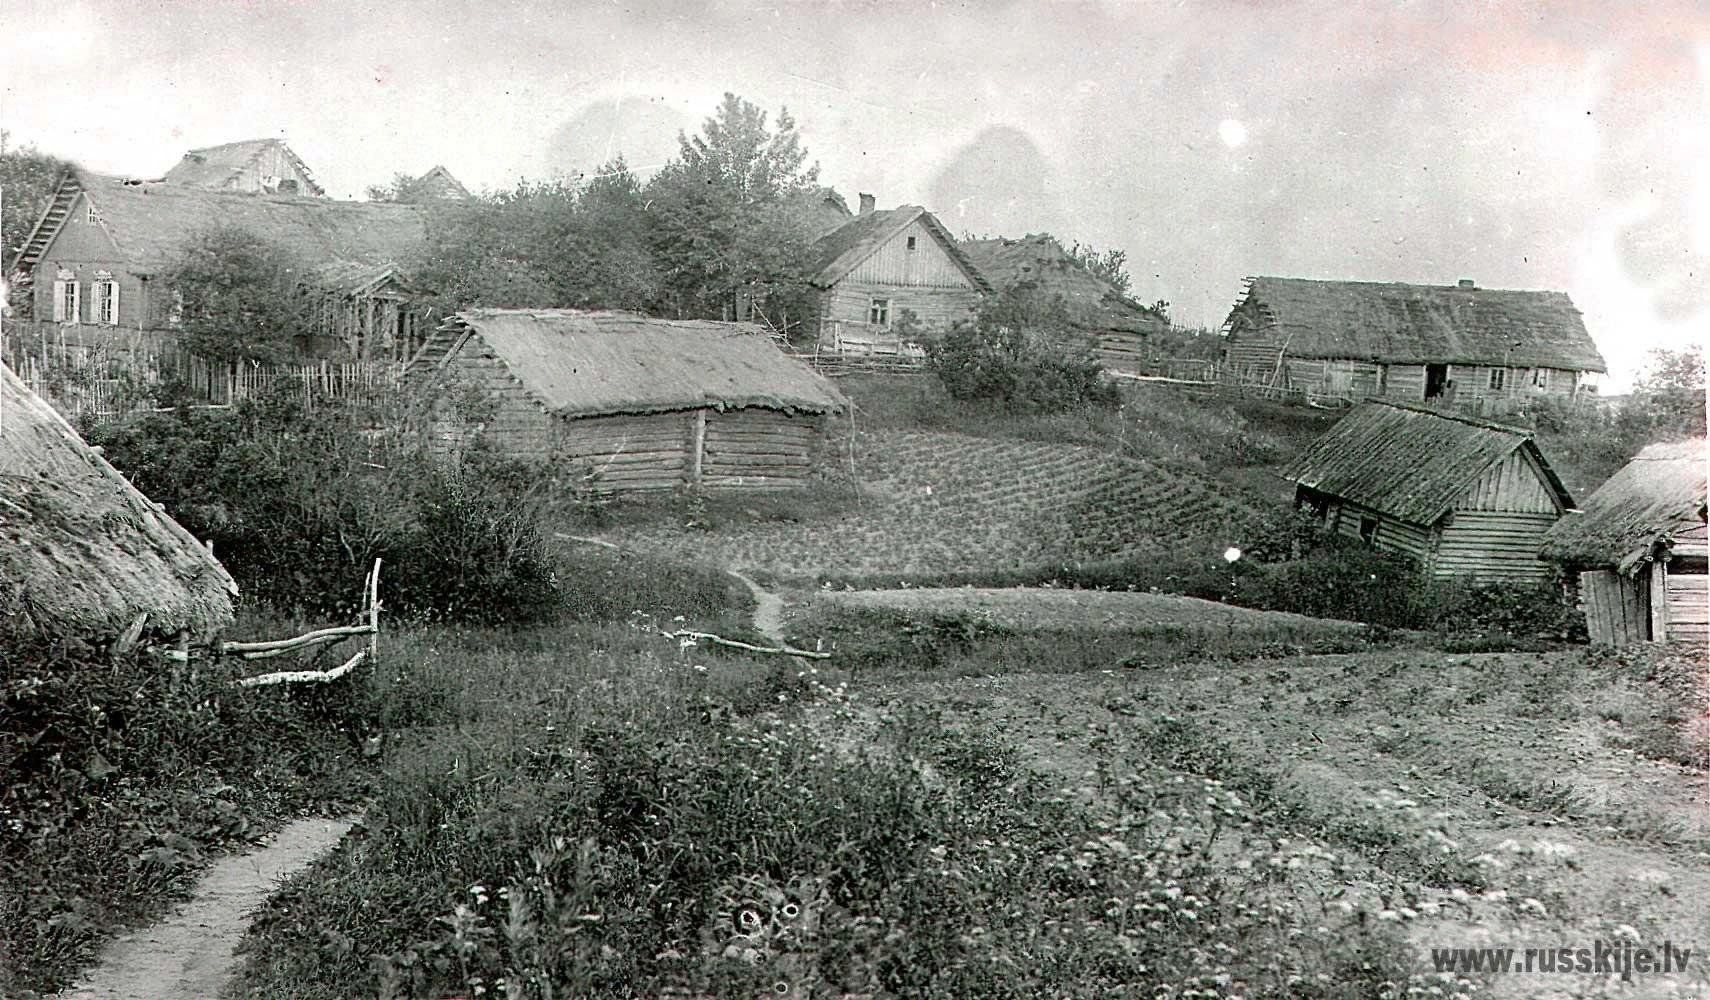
(188,955)
(768,609)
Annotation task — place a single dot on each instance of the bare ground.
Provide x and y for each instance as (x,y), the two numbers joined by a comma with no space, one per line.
(188,955)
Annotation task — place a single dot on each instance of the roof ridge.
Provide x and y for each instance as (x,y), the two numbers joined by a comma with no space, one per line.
(1450,415)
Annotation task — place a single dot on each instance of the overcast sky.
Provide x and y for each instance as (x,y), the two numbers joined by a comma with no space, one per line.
(1523,145)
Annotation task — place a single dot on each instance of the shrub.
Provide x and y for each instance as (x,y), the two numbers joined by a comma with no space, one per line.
(1022,353)
(298,502)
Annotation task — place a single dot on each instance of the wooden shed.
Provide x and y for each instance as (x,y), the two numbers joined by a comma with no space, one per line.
(1640,547)
(1414,343)
(253,166)
(83,554)
(1117,328)
(636,403)
(1462,497)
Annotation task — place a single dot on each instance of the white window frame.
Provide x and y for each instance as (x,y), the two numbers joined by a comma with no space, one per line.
(67,300)
(92,215)
(1541,379)
(105,307)
(879,313)
(1497,380)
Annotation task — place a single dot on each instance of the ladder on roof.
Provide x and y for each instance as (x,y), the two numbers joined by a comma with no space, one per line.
(57,212)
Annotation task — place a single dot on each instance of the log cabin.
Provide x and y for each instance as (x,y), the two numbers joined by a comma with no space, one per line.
(253,166)
(83,553)
(632,403)
(1415,343)
(880,265)
(1460,497)
(1116,327)
(1640,550)
(100,255)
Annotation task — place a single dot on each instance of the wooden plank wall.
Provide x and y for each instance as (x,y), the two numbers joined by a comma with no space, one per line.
(1513,484)
(1392,535)
(1688,607)
(1493,546)
(928,265)
(1616,612)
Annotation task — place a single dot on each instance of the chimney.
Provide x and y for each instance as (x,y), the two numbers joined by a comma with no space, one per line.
(866,205)
(1465,283)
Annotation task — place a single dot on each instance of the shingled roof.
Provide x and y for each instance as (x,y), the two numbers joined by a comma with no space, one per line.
(1040,258)
(1658,495)
(151,222)
(1411,462)
(844,248)
(82,552)
(578,363)
(1424,324)
(215,166)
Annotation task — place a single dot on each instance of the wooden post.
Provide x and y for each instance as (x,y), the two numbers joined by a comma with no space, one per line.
(698,448)
(1658,588)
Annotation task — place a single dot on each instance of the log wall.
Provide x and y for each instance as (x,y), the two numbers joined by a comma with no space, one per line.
(755,448)
(1493,547)
(1392,535)
(1688,610)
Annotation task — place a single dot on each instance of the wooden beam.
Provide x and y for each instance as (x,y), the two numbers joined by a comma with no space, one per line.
(698,447)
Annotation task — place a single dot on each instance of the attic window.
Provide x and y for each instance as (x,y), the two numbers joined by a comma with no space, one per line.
(92,215)
(911,240)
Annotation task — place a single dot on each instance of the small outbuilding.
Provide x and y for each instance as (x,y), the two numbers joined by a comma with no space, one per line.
(637,403)
(1462,497)
(1641,550)
(83,554)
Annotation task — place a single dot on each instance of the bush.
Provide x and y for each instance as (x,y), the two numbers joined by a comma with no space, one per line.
(1021,353)
(299,502)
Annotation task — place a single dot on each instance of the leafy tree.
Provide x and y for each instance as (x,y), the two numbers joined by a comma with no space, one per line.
(1668,396)
(723,212)
(28,178)
(1110,265)
(401,188)
(240,296)
(1021,352)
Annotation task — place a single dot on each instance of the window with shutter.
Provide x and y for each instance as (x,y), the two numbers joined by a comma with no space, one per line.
(106,301)
(67,302)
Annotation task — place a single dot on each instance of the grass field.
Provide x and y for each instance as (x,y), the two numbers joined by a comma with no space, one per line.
(944,504)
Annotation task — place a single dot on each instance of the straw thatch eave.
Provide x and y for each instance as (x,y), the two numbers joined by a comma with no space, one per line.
(82,552)
(1635,517)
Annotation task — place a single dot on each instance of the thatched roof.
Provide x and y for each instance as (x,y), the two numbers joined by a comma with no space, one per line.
(1658,495)
(1410,462)
(151,222)
(1422,324)
(578,363)
(1094,302)
(438,183)
(215,166)
(843,249)
(82,552)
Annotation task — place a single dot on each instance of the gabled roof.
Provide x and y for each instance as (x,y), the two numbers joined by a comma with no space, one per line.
(151,222)
(438,183)
(843,249)
(1423,324)
(1411,462)
(215,166)
(82,552)
(1657,496)
(1040,258)
(823,209)
(577,363)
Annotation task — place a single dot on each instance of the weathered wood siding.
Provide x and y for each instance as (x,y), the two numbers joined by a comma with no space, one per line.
(925,281)
(928,265)
(1688,614)
(267,170)
(1617,608)
(757,448)
(1411,540)
(1492,546)
(1515,484)
(1121,351)
(1406,382)
(1252,353)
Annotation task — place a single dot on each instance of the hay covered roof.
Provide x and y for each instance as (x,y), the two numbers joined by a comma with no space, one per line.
(1423,324)
(1657,496)
(843,249)
(215,166)
(150,223)
(82,552)
(438,183)
(1094,302)
(1410,462)
(578,363)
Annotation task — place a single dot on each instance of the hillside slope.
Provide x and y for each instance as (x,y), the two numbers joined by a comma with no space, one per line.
(952,505)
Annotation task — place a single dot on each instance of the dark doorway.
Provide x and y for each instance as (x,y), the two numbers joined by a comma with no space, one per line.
(1436,376)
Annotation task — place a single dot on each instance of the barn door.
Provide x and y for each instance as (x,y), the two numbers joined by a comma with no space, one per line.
(1436,380)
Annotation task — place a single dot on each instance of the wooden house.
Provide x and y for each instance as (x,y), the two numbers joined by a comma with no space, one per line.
(1415,343)
(1639,549)
(254,166)
(1461,497)
(634,403)
(100,254)
(83,554)
(1116,327)
(438,184)
(879,265)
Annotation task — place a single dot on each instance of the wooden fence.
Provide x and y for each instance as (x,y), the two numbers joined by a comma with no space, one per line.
(105,371)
